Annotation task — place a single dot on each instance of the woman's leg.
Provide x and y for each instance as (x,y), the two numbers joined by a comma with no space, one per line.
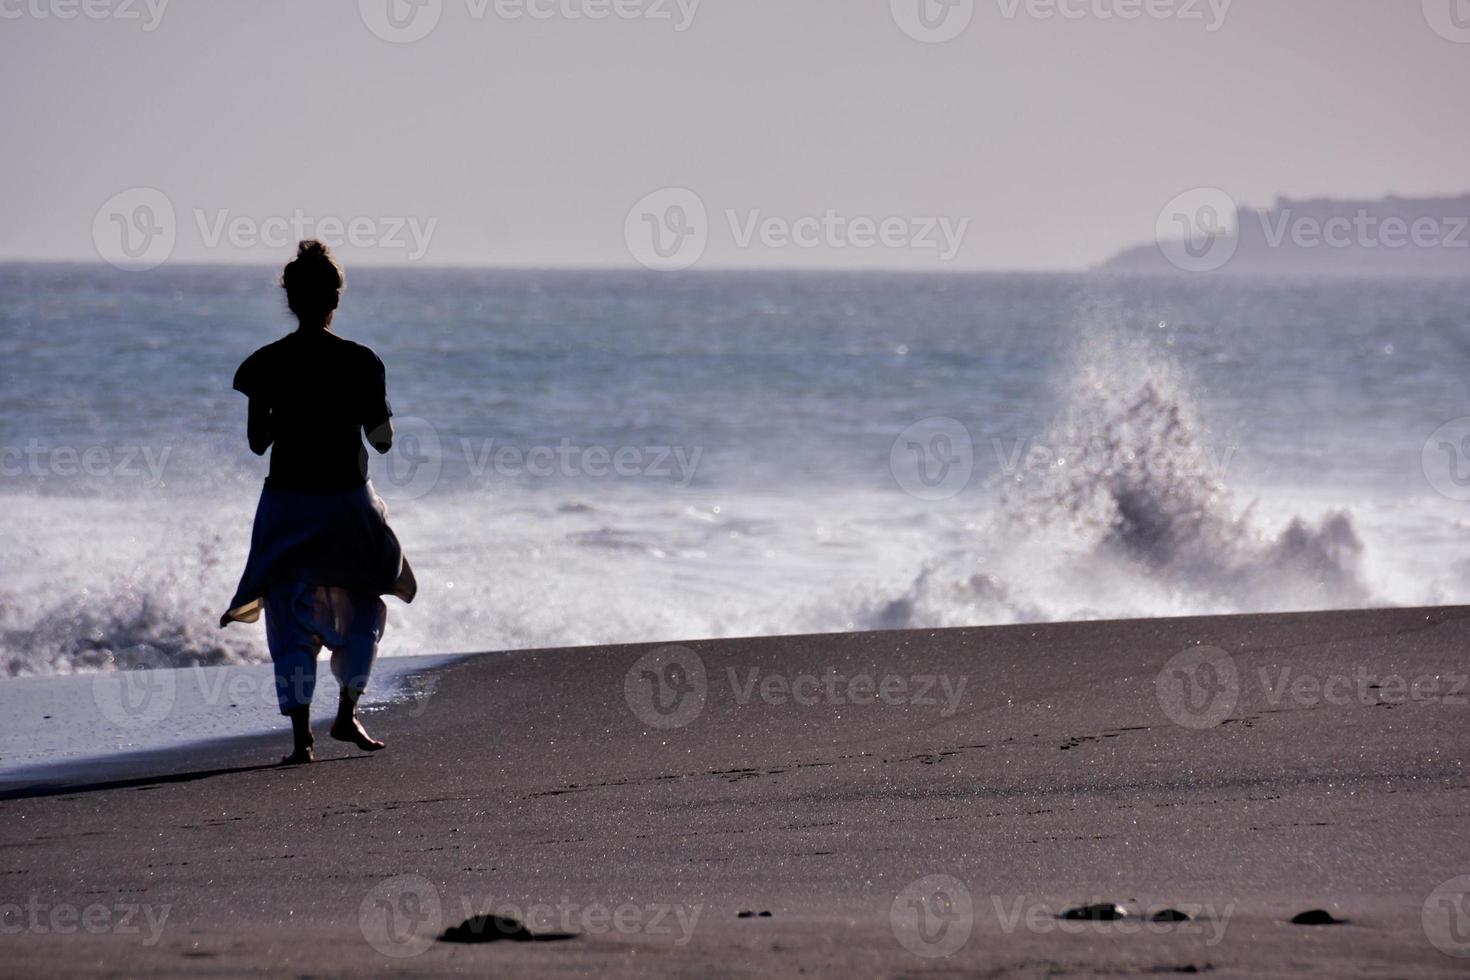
(352,664)
(294,651)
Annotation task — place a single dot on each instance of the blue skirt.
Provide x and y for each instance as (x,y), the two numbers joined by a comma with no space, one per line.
(330,540)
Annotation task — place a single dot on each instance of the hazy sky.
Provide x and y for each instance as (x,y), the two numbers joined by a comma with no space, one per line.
(1040,142)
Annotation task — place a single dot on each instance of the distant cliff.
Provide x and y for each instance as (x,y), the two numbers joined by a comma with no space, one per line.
(1392,236)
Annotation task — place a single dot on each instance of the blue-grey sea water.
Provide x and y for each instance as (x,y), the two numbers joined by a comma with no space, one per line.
(591,457)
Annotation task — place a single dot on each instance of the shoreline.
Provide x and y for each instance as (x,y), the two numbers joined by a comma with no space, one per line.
(823,779)
(128,724)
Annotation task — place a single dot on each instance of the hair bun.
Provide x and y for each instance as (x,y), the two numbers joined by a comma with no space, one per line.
(313,280)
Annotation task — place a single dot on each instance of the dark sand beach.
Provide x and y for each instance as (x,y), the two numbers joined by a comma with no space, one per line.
(1017,772)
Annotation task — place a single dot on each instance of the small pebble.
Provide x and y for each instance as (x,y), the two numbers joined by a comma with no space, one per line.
(1316,917)
(1104,912)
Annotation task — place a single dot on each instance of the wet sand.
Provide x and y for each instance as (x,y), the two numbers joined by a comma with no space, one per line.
(902,804)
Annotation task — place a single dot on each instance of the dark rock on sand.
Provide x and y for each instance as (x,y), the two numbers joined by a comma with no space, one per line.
(748,914)
(1317,917)
(1171,915)
(494,928)
(1104,912)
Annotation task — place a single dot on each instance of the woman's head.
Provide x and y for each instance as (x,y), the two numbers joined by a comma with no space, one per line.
(313,282)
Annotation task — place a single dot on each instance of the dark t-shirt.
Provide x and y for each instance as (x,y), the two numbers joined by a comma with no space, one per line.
(323,393)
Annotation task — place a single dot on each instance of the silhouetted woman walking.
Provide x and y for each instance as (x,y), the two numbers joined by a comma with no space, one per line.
(321,553)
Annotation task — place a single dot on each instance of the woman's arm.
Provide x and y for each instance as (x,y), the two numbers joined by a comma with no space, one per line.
(378,414)
(258,428)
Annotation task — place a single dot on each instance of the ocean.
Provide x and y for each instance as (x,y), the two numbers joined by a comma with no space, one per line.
(601,457)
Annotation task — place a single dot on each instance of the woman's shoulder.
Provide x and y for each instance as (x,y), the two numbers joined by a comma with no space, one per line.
(253,370)
(361,353)
(271,350)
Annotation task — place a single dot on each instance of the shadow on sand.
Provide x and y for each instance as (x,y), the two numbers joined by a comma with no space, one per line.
(63,788)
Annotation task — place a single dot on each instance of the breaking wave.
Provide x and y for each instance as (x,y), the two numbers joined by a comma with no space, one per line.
(118,601)
(1124,510)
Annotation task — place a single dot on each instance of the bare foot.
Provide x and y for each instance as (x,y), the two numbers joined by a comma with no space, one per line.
(300,757)
(350,730)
